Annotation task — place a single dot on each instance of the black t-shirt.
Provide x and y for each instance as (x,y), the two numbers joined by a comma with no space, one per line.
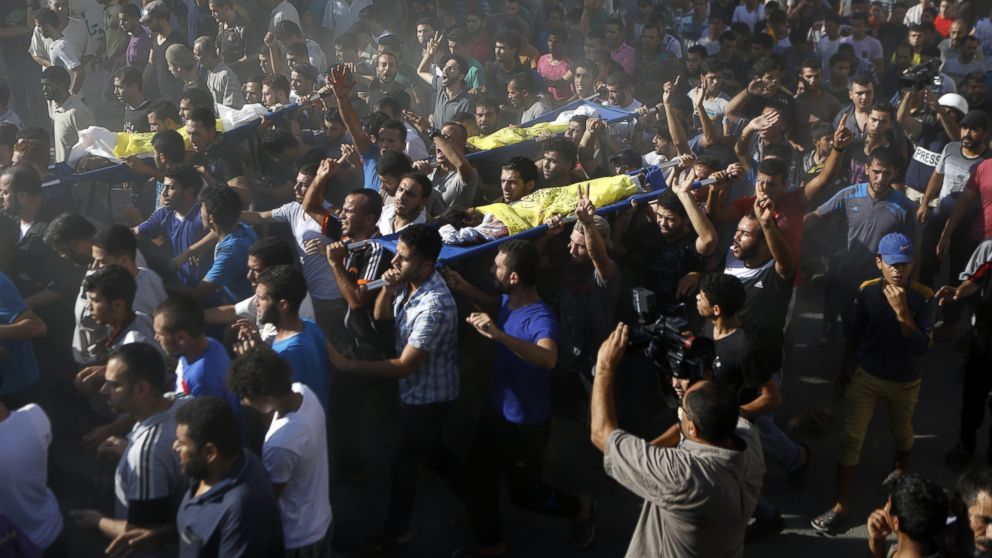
(856,162)
(221,159)
(371,338)
(663,262)
(767,305)
(136,119)
(740,363)
(159,83)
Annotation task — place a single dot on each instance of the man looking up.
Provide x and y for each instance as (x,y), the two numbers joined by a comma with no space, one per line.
(450,96)
(426,317)
(889,329)
(720,457)
(295,450)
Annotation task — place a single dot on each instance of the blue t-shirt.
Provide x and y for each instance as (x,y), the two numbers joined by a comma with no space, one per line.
(230,268)
(521,391)
(306,353)
(182,232)
(205,375)
(19,370)
(370,160)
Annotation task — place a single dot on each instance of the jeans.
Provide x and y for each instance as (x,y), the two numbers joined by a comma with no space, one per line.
(777,443)
(420,438)
(515,452)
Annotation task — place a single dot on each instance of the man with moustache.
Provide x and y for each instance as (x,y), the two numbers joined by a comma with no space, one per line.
(889,329)
(148,482)
(973,529)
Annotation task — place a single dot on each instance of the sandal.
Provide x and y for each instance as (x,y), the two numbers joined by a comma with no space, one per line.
(829,522)
(958,458)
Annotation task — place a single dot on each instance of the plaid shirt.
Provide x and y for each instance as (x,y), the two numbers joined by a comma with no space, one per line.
(428,320)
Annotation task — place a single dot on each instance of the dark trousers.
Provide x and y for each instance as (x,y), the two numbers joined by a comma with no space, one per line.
(977,384)
(421,427)
(516,452)
(839,289)
(350,393)
(962,245)
(329,315)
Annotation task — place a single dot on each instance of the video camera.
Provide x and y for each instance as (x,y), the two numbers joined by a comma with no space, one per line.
(921,76)
(669,343)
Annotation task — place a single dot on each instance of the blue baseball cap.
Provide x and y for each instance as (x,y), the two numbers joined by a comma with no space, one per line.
(895,248)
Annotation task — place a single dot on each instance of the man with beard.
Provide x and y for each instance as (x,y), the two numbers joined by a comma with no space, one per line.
(487,116)
(974,89)
(159,81)
(127,89)
(521,93)
(946,185)
(178,219)
(815,104)
(301,343)
(409,205)
(889,329)
(861,91)
(426,316)
(308,227)
(221,161)
(973,529)
(68,112)
(148,481)
(513,433)
(385,84)
(229,508)
(450,96)
(873,209)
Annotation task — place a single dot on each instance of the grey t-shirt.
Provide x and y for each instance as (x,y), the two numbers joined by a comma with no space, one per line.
(697,498)
(453,190)
(536,110)
(956,168)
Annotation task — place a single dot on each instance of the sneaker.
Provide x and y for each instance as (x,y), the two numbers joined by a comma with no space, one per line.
(829,522)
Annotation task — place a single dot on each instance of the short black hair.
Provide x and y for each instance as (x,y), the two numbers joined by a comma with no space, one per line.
(509,38)
(373,201)
(287,29)
(277,141)
(921,506)
(619,79)
(204,116)
(185,176)
(974,482)
(143,363)
(524,166)
(711,66)
(563,147)
(820,130)
(23,179)
(714,408)
(169,143)
(46,16)
(273,251)
(8,134)
(392,124)
(522,258)
(165,109)
(259,373)
(864,80)
(393,163)
(725,291)
(198,98)
(58,74)
(423,239)
(773,167)
(426,187)
(113,283)
(306,71)
(670,200)
(285,282)
(211,420)
(885,156)
(222,203)
(766,64)
(462,64)
(130,10)
(129,75)
(68,227)
(182,313)
(117,241)
(884,106)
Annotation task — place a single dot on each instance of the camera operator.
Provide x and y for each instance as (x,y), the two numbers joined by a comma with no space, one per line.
(698,496)
(930,123)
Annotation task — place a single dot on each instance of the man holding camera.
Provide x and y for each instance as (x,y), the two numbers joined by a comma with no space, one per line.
(698,496)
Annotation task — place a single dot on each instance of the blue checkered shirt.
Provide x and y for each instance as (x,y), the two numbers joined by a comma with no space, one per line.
(428,320)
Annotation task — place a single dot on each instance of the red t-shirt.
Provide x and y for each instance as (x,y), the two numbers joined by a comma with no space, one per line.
(789,212)
(981,182)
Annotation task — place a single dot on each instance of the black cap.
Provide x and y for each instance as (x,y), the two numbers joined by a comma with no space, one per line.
(976,119)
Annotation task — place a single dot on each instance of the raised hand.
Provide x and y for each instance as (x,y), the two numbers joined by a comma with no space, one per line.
(349,155)
(434,44)
(325,170)
(897,298)
(454,280)
(842,135)
(269,39)
(419,122)
(584,209)
(612,350)
(764,210)
(555,225)
(340,81)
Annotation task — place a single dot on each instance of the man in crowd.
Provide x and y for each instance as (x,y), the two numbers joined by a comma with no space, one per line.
(68,112)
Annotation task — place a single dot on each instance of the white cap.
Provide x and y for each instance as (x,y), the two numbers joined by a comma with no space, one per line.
(954,101)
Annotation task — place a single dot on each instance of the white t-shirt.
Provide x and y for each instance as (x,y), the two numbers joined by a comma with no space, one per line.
(749,18)
(827,47)
(24,494)
(75,32)
(246,310)
(651,159)
(150,293)
(320,279)
(385,223)
(63,53)
(295,454)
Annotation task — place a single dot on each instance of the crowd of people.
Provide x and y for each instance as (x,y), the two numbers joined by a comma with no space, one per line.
(208,335)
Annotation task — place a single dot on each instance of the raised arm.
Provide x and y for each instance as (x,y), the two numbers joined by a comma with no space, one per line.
(543,354)
(706,236)
(456,283)
(709,134)
(313,199)
(602,405)
(675,128)
(785,262)
(842,138)
(904,114)
(424,69)
(465,169)
(596,246)
(342,85)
